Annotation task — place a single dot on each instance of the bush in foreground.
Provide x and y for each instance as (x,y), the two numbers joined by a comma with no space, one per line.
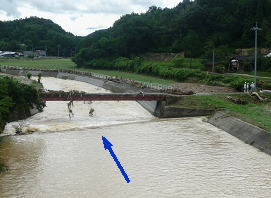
(16,96)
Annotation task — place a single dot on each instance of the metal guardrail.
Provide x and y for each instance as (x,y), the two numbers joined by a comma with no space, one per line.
(139,84)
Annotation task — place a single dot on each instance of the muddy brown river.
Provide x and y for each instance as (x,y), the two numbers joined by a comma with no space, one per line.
(174,158)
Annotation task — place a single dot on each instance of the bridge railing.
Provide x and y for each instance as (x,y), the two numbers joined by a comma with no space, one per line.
(139,84)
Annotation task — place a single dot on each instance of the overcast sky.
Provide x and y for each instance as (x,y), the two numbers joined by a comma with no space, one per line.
(80,17)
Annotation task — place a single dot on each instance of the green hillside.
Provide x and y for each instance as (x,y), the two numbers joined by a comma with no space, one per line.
(37,34)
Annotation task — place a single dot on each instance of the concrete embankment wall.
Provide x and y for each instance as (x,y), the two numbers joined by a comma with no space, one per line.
(244,131)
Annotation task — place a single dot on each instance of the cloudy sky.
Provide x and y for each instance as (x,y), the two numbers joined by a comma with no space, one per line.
(80,17)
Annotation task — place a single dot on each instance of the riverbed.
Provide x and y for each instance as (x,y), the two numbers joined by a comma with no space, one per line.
(63,156)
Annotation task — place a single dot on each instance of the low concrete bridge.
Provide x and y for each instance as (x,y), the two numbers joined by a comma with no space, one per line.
(82,96)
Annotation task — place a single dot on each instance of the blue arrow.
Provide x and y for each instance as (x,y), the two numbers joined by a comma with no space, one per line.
(107,146)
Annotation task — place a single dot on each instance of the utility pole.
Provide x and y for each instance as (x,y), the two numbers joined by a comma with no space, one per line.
(213,68)
(45,48)
(72,52)
(256,29)
(58,47)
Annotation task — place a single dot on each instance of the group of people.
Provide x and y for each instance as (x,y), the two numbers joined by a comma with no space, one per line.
(249,87)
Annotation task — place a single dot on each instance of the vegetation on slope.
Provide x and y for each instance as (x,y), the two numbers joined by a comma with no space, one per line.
(15,96)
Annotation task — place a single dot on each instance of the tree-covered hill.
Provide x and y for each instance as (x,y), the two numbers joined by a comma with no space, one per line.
(195,27)
(36,34)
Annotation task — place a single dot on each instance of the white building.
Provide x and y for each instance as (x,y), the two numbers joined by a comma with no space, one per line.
(9,54)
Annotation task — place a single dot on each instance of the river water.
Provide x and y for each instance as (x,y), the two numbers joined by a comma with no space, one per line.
(64,157)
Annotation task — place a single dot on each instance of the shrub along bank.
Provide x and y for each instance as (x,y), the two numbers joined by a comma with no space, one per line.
(170,70)
(16,98)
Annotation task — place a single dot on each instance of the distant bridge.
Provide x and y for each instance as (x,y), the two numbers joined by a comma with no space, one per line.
(79,96)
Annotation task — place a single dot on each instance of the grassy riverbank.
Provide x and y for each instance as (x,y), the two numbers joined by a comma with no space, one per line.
(40,63)
(254,112)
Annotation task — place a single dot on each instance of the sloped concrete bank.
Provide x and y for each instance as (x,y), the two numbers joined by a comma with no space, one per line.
(244,131)
(157,108)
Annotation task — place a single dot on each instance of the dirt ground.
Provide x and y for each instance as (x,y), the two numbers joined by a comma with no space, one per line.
(201,88)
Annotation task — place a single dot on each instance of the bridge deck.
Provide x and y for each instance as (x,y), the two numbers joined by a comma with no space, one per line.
(103,97)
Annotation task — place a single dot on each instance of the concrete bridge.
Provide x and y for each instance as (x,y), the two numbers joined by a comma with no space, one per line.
(82,96)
